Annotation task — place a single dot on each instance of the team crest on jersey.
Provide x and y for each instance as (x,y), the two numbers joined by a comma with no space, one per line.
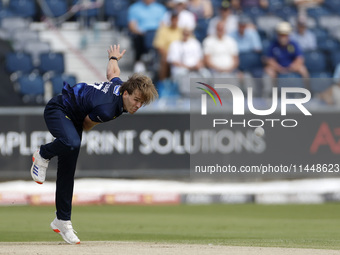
(116,90)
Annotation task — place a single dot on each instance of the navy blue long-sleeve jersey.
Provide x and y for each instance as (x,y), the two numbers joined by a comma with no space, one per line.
(101,101)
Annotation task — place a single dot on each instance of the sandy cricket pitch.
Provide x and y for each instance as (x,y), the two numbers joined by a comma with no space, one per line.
(142,248)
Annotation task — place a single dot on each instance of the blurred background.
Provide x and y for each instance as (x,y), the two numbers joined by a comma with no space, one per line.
(258,43)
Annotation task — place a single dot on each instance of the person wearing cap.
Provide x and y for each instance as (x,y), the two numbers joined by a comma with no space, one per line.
(285,55)
(186,19)
(165,35)
(304,37)
(247,37)
(225,15)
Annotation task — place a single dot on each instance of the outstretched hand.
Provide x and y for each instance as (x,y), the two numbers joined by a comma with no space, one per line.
(115,52)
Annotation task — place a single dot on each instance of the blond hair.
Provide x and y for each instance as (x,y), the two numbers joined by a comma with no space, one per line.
(144,84)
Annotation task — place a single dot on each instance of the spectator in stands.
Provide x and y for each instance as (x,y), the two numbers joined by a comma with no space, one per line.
(303,5)
(248,40)
(284,55)
(239,5)
(246,36)
(331,96)
(165,35)
(186,19)
(225,15)
(144,18)
(336,75)
(186,59)
(304,37)
(202,9)
(221,52)
(336,86)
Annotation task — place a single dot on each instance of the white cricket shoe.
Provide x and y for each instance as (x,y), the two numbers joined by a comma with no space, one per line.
(65,229)
(38,169)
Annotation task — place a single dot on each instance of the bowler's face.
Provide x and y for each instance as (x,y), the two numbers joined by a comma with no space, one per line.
(132,102)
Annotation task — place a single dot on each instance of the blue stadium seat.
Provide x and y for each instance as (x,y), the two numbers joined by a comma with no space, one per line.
(262,34)
(332,4)
(250,61)
(58,82)
(121,19)
(201,29)
(54,8)
(275,5)
(31,84)
(52,62)
(315,61)
(117,10)
(31,88)
(265,45)
(89,13)
(320,33)
(5,13)
(335,59)
(318,11)
(216,6)
(113,7)
(320,81)
(148,38)
(285,12)
(23,8)
(328,44)
(19,62)
(254,12)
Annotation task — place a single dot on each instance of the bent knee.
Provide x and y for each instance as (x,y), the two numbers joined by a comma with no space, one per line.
(72,144)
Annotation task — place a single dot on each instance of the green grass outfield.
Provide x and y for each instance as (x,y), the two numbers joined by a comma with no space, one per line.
(307,226)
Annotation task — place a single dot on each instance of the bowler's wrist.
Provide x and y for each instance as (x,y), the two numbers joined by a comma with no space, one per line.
(113,58)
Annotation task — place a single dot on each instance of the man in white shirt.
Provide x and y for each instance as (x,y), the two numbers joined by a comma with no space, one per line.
(186,60)
(186,19)
(221,53)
